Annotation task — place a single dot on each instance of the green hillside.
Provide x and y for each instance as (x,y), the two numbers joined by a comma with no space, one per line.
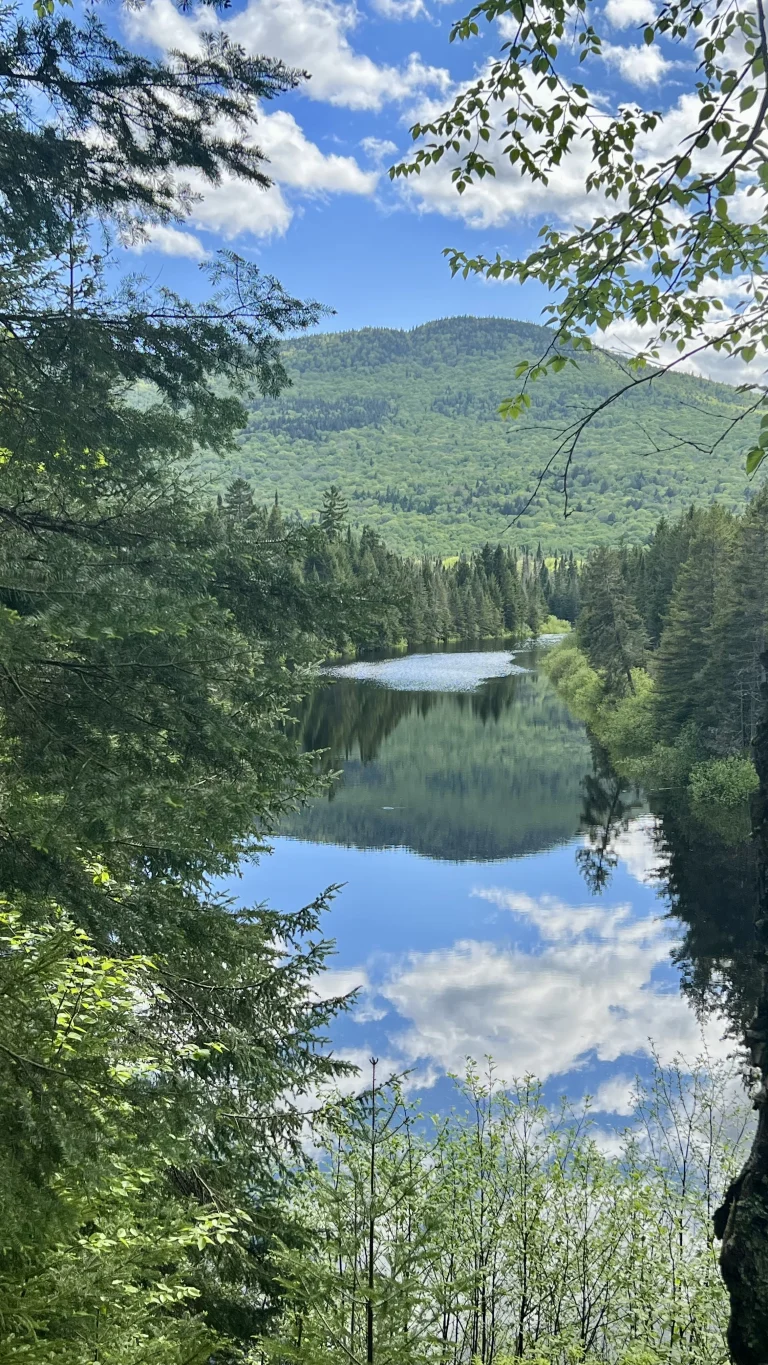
(407,423)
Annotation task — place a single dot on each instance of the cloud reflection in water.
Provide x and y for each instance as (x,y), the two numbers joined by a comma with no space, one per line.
(588,988)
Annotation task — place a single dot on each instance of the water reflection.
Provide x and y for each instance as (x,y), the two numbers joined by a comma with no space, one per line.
(485,775)
(432,672)
(608,807)
(567,961)
(709,881)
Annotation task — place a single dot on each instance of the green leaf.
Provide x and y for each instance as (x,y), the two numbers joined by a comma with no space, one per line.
(755,459)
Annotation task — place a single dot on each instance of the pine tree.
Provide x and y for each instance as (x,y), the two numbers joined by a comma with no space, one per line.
(734,673)
(238,500)
(143,739)
(513,603)
(611,630)
(680,663)
(334,511)
(275,520)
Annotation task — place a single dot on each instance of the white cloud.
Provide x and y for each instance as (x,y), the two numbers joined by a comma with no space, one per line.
(341,981)
(629,339)
(379,150)
(171,242)
(387,1066)
(400,9)
(630,13)
(294,160)
(555,919)
(637,64)
(585,989)
(336,981)
(312,35)
(236,207)
(615,1096)
(303,33)
(509,197)
(506,196)
(636,848)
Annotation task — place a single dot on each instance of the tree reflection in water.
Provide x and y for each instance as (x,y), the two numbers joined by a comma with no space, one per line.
(708,881)
(609,805)
(463,776)
(505,771)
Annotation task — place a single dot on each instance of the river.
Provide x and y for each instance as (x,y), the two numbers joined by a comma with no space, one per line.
(503,894)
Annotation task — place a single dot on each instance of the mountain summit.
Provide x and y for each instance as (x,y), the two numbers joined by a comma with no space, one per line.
(407,423)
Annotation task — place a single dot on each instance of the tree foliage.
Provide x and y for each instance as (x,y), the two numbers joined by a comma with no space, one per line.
(159,1044)
(609,623)
(671,231)
(355,592)
(675,246)
(407,424)
(503,1232)
(681,713)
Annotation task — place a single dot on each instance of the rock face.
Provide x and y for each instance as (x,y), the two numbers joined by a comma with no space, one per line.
(742,1221)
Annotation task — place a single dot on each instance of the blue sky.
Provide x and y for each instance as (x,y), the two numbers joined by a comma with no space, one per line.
(334,227)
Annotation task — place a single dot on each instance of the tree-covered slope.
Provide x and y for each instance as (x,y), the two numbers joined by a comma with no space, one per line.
(407,424)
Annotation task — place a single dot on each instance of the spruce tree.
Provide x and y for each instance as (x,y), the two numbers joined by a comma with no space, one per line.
(731,674)
(334,511)
(611,630)
(238,500)
(275,519)
(145,681)
(680,663)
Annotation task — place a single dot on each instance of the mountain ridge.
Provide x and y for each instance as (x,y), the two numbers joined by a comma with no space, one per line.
(407,423)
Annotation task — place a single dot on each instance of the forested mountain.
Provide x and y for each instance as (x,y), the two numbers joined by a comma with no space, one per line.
(407,424)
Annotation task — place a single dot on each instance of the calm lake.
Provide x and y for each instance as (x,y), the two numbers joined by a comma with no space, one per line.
(504,895)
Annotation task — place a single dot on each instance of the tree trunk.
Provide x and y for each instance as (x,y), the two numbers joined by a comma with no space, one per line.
(742,1221)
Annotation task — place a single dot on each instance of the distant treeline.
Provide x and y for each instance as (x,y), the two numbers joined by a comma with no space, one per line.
(389,599)
(666,659)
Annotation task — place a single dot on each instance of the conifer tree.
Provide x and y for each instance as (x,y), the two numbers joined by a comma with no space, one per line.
(238,499)
(610,627)
(275,519)
(680,661)
(334,511)
(143,692)
(733,674)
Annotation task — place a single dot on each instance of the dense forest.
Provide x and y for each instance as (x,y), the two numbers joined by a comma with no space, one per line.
(408,424)
(666,660)
(157,1045)
(381,598)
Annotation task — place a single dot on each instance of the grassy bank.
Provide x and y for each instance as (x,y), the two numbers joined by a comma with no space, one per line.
(551,625)
(718,788)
